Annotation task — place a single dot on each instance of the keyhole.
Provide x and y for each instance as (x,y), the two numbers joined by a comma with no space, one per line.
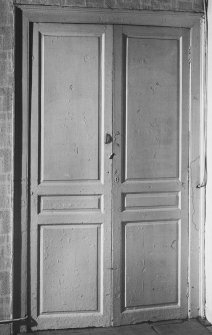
(116,179)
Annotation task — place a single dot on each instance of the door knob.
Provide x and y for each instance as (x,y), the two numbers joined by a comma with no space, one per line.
(108,138)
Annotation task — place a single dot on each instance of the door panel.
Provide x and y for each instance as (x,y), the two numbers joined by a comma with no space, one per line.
(69,261)
(69,141)
(151,113)
(71,176)
(150,189)
(150,263)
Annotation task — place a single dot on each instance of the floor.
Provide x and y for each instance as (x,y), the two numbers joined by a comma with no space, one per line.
(175,327)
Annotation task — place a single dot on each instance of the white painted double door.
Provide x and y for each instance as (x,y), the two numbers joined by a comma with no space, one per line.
(109,184)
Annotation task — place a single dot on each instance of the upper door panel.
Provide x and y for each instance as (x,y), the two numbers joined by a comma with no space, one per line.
(152,81)
(72,98)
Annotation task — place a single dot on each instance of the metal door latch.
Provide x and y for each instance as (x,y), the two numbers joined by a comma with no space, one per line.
(111,155)
(108,138)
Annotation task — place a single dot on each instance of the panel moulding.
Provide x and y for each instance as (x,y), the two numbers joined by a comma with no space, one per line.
(76,292)
(135,294)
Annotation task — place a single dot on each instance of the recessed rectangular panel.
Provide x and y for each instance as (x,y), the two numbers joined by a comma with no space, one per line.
(151,200)
(152,108)
(70,107)
(70,203)
(151,264)
(69,266)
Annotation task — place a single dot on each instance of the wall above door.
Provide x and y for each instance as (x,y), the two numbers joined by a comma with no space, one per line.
(177,5)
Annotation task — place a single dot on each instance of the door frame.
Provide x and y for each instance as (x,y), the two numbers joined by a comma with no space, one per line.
(26,15)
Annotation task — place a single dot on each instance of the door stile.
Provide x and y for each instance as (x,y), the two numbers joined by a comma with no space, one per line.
(118,142)
(34,156)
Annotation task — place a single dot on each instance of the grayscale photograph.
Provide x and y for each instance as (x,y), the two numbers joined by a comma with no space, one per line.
(105,167)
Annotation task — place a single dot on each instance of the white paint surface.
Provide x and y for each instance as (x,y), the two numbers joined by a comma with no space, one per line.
(208,233)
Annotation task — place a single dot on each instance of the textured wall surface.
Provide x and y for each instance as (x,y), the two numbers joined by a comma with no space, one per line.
(177,5)
(6,152)
(7,115)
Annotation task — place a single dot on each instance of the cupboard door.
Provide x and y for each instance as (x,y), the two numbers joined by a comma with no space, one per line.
(150,173)
(70,230)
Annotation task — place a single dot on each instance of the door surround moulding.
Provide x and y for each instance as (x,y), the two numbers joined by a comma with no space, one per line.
(26,15)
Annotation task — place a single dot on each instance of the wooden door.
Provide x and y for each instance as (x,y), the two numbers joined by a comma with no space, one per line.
(150,173)
(73,181)
(70,223)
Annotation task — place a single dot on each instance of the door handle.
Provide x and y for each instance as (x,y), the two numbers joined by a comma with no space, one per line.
(108,138)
